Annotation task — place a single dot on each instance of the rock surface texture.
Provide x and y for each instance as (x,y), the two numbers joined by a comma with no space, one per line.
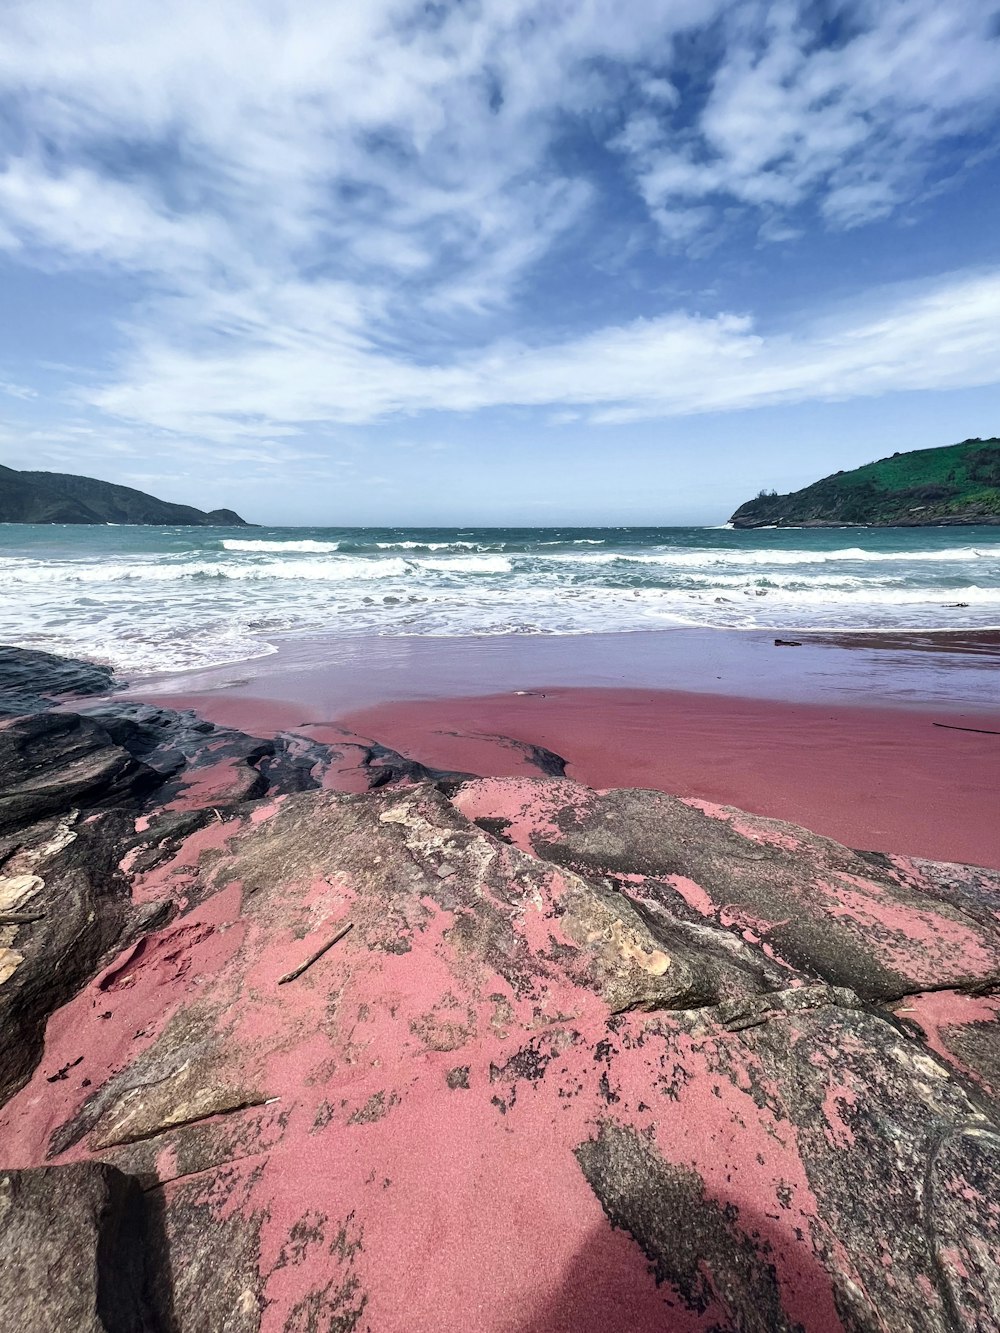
(30,679)
(491,1054)
(76,1244)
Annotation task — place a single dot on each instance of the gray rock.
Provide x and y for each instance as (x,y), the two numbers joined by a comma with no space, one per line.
(74,1242)
(31,679)
(53,762)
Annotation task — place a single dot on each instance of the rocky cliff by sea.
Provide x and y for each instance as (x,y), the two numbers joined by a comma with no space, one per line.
(465,1052)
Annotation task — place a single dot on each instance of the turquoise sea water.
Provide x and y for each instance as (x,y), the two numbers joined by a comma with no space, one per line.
(160,599)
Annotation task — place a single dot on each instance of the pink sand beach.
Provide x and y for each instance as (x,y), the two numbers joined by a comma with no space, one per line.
(886,743)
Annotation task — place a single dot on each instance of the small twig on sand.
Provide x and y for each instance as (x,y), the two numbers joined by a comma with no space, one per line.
(20,918)
(297,972)
(980,731)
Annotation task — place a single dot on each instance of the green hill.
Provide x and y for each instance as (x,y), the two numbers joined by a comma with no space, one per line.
(956,484)
(60,497)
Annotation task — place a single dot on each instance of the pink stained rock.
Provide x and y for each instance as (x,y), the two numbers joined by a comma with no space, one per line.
(883,926)
(542,1083)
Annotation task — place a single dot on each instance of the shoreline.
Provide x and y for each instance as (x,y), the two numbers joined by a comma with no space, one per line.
(953,669)
(883,780)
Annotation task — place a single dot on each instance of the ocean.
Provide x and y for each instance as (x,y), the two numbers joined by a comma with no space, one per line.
(150,600)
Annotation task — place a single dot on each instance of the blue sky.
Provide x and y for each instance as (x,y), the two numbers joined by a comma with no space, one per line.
(515,261)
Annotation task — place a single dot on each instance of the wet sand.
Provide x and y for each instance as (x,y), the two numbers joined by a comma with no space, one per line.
(891,748)
(334,674)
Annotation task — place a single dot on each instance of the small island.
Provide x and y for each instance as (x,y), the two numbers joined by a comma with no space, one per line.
(958,484)
(61,497)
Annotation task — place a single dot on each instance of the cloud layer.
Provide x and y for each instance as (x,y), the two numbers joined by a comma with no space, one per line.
(333,212)
(943,336)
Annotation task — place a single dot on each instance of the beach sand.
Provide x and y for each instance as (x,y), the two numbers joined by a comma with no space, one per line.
(886,745)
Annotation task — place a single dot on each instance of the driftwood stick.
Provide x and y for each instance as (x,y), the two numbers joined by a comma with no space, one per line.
(980,731)
(297,971)
(20,918)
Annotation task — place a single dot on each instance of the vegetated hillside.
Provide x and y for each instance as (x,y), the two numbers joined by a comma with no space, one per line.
(60,497)
(956,484)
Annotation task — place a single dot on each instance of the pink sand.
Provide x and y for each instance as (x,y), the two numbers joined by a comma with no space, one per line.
(880,779)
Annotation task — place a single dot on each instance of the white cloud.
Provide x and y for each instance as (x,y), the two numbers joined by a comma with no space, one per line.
(327,206)
(790,118)
(13,390)
(75,215)
(373,137)
(942,335)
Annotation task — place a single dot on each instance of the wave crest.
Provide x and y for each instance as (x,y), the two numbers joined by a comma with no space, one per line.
(238,544)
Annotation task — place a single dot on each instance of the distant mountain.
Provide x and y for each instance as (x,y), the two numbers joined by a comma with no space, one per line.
(60,497)
(956,484)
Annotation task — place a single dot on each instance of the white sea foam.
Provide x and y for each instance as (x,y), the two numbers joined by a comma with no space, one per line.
(424,546)
(234,544)
(180,598)
(697,557)
(468,564)
(339,568)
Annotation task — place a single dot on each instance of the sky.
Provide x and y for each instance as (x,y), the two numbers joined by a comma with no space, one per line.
(514,261)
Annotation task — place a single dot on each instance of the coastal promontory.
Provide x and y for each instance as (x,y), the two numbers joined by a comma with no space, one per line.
(61,497)
(954,485)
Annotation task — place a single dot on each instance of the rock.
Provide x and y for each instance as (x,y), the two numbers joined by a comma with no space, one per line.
(75,1242)
(61,876)
(67,816)
(962,1029)
(583,1060)
(30,680)
(53,762)
(845,1085)
(72,787)
(883,927)
(167,741)
(205,764)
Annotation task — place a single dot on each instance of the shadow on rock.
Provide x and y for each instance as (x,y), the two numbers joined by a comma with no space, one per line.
(84,1250)
(732,1284)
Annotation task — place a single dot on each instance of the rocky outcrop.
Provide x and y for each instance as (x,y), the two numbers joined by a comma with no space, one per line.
(51,762)
(498,1054)
(885,928)
(30,680)
(73,792)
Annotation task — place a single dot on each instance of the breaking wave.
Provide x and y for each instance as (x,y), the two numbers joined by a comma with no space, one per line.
(153,599)
(232,544)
